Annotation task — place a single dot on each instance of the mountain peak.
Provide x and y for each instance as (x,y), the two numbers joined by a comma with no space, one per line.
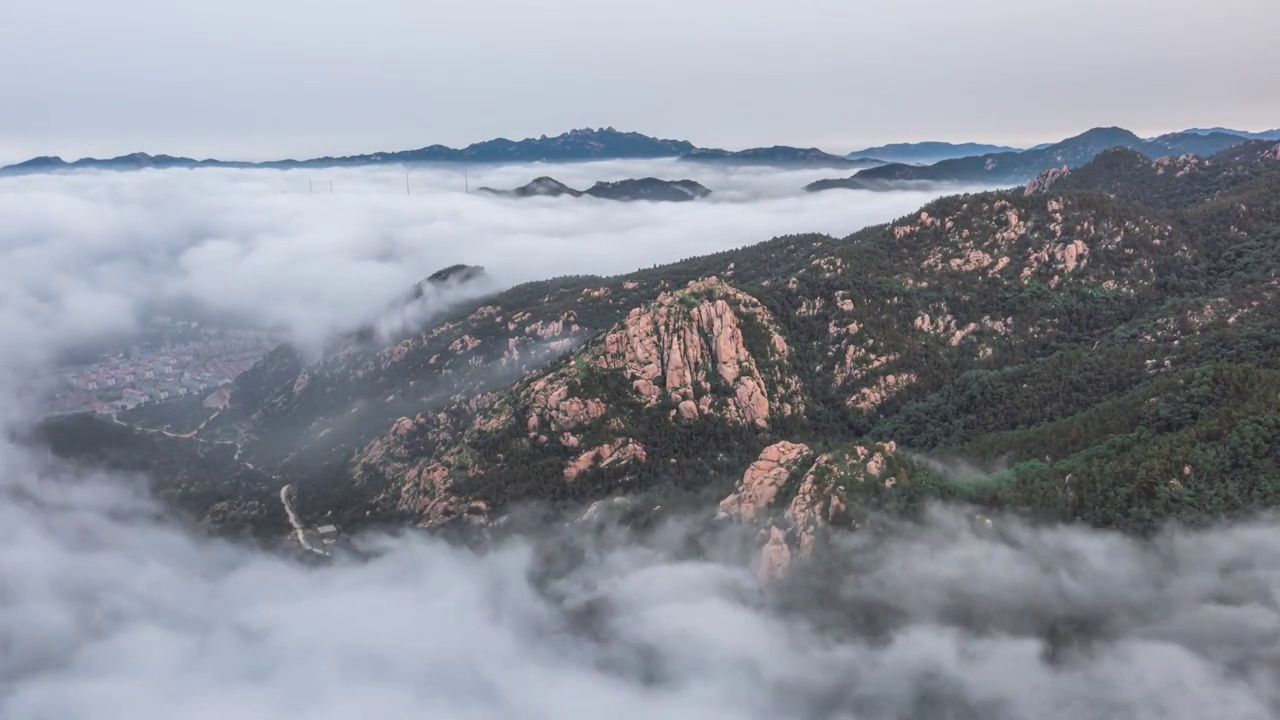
(649,188)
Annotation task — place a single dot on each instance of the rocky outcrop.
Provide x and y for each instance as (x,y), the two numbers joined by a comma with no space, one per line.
(618,452)
(421,485)
(819,502)
(553,409)
(1046,180)
(688,341)
(763,480)
(871,397)
(1179,166)
(774,556)
(1272,154)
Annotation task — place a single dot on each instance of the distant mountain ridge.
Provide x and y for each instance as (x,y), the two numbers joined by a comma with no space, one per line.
(1263,135)
(1020,167)
(574,145)
(926,153)
(895,162)
(781,155)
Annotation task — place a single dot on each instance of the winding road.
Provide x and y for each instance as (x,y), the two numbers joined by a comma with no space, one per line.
(299,530)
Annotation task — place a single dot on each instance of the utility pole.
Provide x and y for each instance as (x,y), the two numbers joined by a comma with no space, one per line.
(466,181)
(330,187)
(311,190)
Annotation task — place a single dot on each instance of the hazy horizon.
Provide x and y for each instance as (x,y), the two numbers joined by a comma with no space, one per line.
(339,147)
(246,81)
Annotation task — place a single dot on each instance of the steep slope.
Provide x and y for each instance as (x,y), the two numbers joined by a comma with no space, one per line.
(1019,167)
(1104,359)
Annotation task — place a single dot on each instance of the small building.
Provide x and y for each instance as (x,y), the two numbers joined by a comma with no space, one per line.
(328,534)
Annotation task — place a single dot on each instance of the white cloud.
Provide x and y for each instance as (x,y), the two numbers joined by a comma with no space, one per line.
(78,248)
(107,612)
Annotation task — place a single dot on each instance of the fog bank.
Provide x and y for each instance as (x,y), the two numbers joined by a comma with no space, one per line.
(109,613)
(81,252)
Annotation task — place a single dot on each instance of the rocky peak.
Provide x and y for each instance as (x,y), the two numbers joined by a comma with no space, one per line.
(1272,154)
(690,341)
(1046,180)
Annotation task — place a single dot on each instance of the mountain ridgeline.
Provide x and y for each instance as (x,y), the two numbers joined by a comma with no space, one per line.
(1101,346)
(943,162)
(925,153)
(778,156)
(572,146)
(1016,167)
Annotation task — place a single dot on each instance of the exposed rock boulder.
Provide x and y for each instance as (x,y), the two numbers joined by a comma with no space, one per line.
(618,452)
(763,480)
(1047,179)
(818,502)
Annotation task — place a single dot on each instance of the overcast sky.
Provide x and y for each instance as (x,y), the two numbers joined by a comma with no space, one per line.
(252,79)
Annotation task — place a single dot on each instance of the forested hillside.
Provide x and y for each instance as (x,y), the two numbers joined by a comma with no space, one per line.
(1102,346)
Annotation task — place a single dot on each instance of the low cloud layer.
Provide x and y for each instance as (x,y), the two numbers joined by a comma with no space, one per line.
(108,611)
(314,250)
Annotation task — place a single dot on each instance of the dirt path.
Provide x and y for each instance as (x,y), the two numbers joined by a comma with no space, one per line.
(185,436)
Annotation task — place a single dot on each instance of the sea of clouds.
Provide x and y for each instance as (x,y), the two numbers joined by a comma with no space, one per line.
(82,251)
(109,611)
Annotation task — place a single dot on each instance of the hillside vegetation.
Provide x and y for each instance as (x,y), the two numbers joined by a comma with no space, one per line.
(1102,347)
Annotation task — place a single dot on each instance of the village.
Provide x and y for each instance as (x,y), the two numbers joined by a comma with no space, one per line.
(206,359)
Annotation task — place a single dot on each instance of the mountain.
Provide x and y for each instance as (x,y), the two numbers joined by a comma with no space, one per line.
(538,187)
(778,155)
(925,153)
(1101,347)
(1264,135)
(649,189)
(133,161)
(633,189)
(1167,182)
(1019,167)
(575,145)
